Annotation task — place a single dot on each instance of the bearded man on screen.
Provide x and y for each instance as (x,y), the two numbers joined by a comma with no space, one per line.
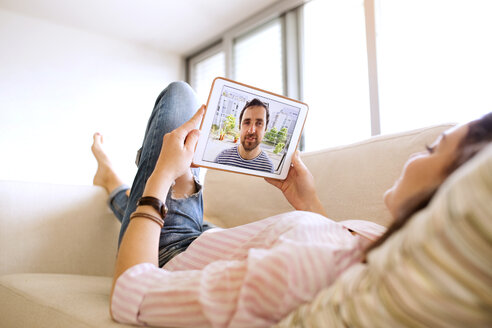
(253,122)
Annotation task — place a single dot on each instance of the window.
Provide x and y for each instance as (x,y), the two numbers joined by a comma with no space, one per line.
(434,60)
(335,77)
(332,65)
(432,65)
(258,57)
(204,71)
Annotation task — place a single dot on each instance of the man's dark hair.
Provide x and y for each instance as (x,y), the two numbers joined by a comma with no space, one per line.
(255,102)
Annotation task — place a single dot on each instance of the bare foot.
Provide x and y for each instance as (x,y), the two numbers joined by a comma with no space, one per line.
(105,175)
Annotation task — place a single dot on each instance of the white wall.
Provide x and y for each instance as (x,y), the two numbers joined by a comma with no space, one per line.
(58,85)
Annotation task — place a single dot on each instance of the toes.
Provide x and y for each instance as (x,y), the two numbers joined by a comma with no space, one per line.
(98,138)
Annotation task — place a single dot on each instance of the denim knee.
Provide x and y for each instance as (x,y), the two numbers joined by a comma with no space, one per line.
(181,87)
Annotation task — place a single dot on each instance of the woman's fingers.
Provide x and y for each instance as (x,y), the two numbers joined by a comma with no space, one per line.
(296,159)
(184,129)
(299,165)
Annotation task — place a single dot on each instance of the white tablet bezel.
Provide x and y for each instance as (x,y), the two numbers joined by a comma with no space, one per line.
(207,121)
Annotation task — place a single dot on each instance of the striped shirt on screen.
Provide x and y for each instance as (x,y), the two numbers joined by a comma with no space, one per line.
(231,157)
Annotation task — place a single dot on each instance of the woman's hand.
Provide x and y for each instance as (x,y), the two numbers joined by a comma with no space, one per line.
(176,155)
(299,188)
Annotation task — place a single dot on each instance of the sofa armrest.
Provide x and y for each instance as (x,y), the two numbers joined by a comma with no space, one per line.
(56,229)
(350,181)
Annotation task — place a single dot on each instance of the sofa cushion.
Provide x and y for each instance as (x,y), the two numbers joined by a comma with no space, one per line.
(55,300)
(435,272)
(49,228)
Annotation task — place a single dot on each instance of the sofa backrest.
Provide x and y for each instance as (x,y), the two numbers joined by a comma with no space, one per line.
(350,181)
(69,229)
(56,229)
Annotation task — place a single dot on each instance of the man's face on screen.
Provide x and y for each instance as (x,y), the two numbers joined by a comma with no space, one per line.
(253,127)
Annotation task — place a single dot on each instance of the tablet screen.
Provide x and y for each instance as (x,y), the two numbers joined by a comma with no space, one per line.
(248,130)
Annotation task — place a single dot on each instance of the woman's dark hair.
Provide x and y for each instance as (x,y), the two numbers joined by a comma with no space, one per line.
(478,136)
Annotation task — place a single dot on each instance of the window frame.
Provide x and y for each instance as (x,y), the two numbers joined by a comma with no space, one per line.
(291,13)
(257,29)
(191,61)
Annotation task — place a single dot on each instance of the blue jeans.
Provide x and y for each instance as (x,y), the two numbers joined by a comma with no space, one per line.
(184,220)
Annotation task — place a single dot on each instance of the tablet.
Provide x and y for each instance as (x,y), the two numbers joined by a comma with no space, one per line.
(248,130)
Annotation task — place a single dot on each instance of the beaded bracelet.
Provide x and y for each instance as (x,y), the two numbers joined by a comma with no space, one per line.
(154,218)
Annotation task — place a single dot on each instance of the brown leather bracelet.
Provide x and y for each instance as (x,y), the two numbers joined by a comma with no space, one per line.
(154,218)
(156,203)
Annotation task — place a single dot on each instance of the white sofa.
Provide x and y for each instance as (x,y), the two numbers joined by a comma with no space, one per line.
(58,242)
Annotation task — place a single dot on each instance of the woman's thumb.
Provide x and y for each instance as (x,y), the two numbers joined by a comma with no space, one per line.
(296,160)
(192,139)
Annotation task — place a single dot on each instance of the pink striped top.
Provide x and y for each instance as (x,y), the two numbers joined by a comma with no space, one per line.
(248,276)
